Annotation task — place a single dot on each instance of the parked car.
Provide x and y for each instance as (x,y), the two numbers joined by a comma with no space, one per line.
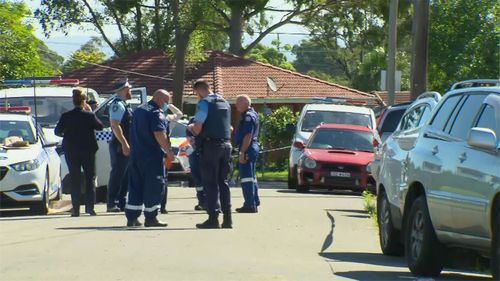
(336,157)
(388,160)
(314,114)
(29,164)
(447,194)
(389,119)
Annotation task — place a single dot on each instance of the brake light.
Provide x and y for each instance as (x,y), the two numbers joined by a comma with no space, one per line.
(299,145)
(381,116)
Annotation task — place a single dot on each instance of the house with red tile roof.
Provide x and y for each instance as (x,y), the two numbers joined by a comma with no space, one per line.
(228,75)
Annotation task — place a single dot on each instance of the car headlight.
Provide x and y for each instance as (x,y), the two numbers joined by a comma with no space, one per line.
(26,166)
(309,163)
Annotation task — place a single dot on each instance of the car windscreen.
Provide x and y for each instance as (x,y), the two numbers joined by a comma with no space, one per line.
(48,109)
(391,120)
(313,118)
(342,139)
(177,130)
(20,129)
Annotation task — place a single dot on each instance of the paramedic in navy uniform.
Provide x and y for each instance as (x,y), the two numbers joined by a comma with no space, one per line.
(212,124)
(120,116)
(149,145)
(246,139)
(76,127)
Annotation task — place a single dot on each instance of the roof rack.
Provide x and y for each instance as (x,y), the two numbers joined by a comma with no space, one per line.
(40,81)
(475,83)
(435,95)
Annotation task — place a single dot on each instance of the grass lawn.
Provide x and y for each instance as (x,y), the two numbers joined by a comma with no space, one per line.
(273,176)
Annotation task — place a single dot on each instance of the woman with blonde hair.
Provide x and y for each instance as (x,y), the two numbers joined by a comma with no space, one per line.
(76,127)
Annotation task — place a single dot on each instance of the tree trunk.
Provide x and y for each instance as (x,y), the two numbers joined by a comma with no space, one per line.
(138,22)
(418,75)
(181,44)
(236,30)
(157,25)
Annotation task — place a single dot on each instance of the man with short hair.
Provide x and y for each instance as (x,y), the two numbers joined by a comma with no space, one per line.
(246,139)
(212,124)
(149,145)
(120,117)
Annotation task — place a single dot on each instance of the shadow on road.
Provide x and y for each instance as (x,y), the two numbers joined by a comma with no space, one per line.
(124,228)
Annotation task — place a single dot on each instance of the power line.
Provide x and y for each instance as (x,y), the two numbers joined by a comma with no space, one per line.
(117,69)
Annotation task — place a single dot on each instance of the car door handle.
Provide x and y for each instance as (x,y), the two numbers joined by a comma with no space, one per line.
(462,157)
(435,150)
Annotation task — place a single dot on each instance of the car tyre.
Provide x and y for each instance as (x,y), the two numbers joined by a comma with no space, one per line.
(495,243)
(389,236)
(59,191)
(42,208)
(292,182)
(422,249)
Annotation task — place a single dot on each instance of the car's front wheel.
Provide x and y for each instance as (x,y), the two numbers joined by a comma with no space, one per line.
(42,207)
(389,236)
(422,248)
(495,243)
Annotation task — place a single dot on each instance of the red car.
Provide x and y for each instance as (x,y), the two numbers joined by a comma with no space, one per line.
(336,157)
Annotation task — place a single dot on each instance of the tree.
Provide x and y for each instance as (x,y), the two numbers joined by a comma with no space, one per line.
(271,56)
(19,48)
(349,41)
(88,52)
(239,16)
(463,42)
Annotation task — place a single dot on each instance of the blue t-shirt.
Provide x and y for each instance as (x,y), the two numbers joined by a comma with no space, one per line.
(249,124)
(147,120)
(201,111)
(117,109)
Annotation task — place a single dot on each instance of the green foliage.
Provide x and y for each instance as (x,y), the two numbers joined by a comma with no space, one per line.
(19,48)
(271,56)
(370,204)
(463,41)
(88,52)
(276,134)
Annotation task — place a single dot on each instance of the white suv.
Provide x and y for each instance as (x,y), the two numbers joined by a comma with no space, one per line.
(313,115)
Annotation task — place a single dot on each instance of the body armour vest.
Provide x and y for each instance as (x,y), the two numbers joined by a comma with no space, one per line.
(125,123)
(218,122)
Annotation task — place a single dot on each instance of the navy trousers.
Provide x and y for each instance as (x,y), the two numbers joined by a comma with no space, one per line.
(146,187)
(76,161)
(194,164)
(118,177)
(248,177)
(215,165)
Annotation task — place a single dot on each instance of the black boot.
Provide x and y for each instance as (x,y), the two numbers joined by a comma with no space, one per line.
(154,222)
(228,220)
(212,222)
(247,210)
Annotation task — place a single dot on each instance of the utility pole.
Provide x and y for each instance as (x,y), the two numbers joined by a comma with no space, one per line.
(391,52)
(418,75)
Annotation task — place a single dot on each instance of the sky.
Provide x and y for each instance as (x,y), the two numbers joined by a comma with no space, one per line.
(64,44)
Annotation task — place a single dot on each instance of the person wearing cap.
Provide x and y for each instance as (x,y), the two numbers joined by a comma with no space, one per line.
(149,147)
(120,117)
(76,127)
(246,140)
(212,124)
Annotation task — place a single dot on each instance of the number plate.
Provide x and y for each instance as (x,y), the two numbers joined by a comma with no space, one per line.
(340,174)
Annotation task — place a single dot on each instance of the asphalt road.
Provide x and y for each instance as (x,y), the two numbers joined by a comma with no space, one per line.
(316,236)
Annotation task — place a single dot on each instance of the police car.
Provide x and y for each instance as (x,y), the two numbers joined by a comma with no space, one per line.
(181,148)
(29,163)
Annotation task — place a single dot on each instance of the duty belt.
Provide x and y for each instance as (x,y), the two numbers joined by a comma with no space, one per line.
(215,140)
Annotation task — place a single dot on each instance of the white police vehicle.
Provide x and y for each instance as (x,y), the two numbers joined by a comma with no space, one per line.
(29,163)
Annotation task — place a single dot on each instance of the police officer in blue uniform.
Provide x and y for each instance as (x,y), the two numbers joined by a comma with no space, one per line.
(194,164)
(246,140)
(212,124)
(149,145)
(120,117)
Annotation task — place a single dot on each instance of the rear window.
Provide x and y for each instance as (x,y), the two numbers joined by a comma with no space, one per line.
(313,118)
(391,120)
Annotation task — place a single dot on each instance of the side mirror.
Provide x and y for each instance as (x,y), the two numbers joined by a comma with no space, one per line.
(482,138)
(299,145)
(50,144)
(290,127)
